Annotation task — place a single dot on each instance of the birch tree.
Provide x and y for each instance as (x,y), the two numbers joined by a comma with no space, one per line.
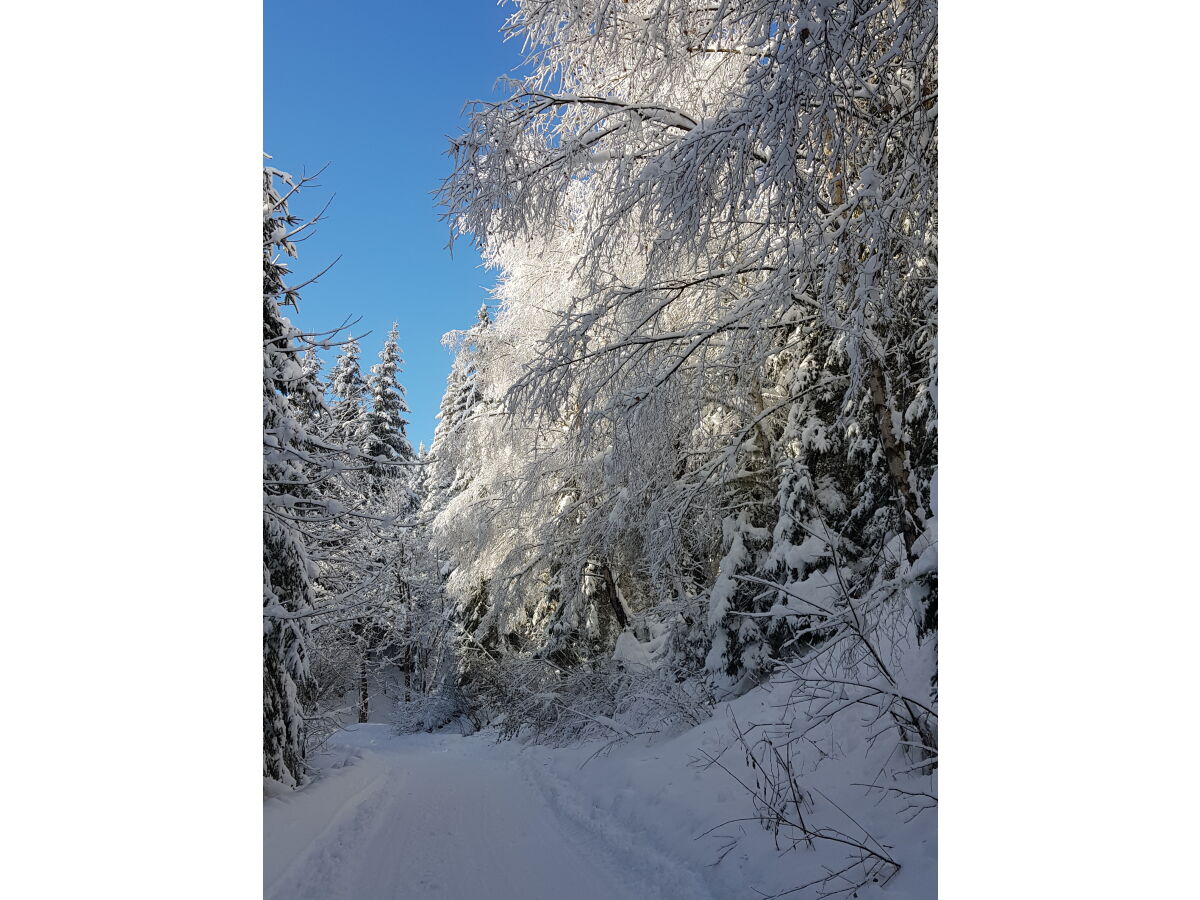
(714,354)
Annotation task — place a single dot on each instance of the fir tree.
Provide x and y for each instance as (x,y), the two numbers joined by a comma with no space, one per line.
(288,570)
(385,432)
(444,477)
(309,405)
(348,389)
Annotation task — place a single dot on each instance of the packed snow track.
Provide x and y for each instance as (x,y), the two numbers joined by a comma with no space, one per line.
(442,816)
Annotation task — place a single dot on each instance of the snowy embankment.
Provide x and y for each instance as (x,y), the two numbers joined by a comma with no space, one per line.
(445,816)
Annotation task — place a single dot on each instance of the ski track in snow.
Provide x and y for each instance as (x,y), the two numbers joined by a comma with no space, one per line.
(440,816)
(645,870)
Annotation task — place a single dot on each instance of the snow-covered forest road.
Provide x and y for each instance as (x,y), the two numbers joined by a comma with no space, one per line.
(424,816)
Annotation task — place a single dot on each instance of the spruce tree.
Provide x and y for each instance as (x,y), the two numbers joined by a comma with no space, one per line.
(446,477)
(288,570)
(385,432)
(348,389)
(310,406)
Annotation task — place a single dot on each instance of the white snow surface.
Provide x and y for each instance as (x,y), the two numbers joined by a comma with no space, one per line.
(392,817)
(448,817)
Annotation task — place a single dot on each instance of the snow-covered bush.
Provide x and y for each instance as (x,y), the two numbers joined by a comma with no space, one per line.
(426,712)
(859,717)
(534,699)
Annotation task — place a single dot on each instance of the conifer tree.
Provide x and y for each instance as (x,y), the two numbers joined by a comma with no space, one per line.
(462,390)
(368,414)
(348,388)
(288,569)
(313,561)
(463,395)
(385,434)
(309,405)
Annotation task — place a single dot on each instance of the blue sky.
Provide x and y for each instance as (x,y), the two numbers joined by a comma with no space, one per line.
(375,88)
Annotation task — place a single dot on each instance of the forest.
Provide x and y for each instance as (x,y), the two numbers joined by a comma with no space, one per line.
(672,553)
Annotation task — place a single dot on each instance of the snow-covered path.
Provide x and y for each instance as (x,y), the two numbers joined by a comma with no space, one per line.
(441,816)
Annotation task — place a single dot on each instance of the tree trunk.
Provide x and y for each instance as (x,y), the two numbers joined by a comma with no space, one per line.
(363,696)
(614,598)
(897,461)
(408,660)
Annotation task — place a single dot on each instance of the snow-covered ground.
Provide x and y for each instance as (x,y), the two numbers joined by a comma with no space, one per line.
(452,817)
(428,816)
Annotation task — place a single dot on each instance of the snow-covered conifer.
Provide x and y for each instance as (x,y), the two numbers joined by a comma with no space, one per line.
(385,433)
(349,391)
(288,569)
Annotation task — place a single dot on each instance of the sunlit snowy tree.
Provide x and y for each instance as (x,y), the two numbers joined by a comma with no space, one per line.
(384,426)
(714,349)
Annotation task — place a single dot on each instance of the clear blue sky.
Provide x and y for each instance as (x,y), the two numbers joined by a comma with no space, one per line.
(375,88)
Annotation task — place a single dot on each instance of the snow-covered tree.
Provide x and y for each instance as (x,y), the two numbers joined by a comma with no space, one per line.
(461,400)
(378,557)
(333,541)
(462,392)
(288,500)
(310,408)
(385,435)
(349,392)
(712,358)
